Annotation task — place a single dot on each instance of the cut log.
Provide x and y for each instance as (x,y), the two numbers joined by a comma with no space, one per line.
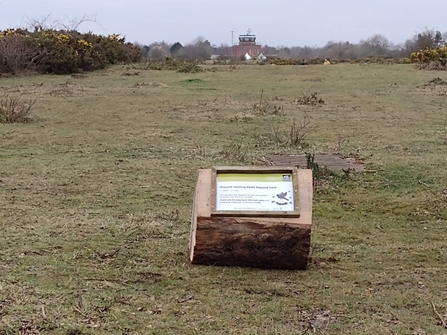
(263,242)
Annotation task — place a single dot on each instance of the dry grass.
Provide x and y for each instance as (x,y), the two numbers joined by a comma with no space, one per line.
(96,193)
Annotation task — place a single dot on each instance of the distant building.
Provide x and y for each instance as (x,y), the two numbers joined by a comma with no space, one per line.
(247,46)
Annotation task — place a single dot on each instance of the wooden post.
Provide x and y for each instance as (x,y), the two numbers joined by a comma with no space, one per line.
(253,241)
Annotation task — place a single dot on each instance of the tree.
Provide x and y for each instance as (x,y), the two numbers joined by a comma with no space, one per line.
(145,51)
(175,48)
(428,39)
(340,50)
(376,45)
(269,50)
(199,49)
(438,40)
(224,51)
(158,50)
(284,52)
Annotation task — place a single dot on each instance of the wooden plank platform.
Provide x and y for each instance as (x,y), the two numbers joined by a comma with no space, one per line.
(333,162)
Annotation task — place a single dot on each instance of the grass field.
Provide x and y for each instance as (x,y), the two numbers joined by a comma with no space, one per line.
(96,195)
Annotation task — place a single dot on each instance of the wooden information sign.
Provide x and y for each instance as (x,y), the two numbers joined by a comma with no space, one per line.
(252,216)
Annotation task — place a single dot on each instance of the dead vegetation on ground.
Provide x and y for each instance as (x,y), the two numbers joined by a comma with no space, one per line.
(66,89)
(437,86)
(149,84)
(311,99)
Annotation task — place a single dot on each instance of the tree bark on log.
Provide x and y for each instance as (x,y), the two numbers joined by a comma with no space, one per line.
(247,242)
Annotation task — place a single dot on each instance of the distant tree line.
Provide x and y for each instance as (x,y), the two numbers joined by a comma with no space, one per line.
(199,49)
(376,45)
(64,50)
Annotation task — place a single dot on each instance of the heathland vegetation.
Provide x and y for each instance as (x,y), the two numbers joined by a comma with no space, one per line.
(64,50)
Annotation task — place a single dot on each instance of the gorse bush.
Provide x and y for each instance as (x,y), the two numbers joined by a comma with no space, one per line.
(61,51)
(172,64)
(431,59)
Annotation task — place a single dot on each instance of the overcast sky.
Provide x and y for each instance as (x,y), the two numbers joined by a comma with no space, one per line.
(276,23)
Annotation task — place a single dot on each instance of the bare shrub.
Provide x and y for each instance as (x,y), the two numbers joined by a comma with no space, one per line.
(296,134)
(235,151)
(47,22)
(310,100)
(266,108)
(15,110)
(322,175)
(19,57)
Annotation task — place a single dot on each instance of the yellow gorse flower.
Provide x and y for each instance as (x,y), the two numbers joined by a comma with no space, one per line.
(114,37)
(14,32)
(58,37)
(84,44)
(10,32)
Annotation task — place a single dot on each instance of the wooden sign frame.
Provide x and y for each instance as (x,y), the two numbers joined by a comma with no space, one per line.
(255,170)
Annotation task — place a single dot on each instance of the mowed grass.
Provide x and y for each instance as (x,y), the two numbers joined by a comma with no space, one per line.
(96,196)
